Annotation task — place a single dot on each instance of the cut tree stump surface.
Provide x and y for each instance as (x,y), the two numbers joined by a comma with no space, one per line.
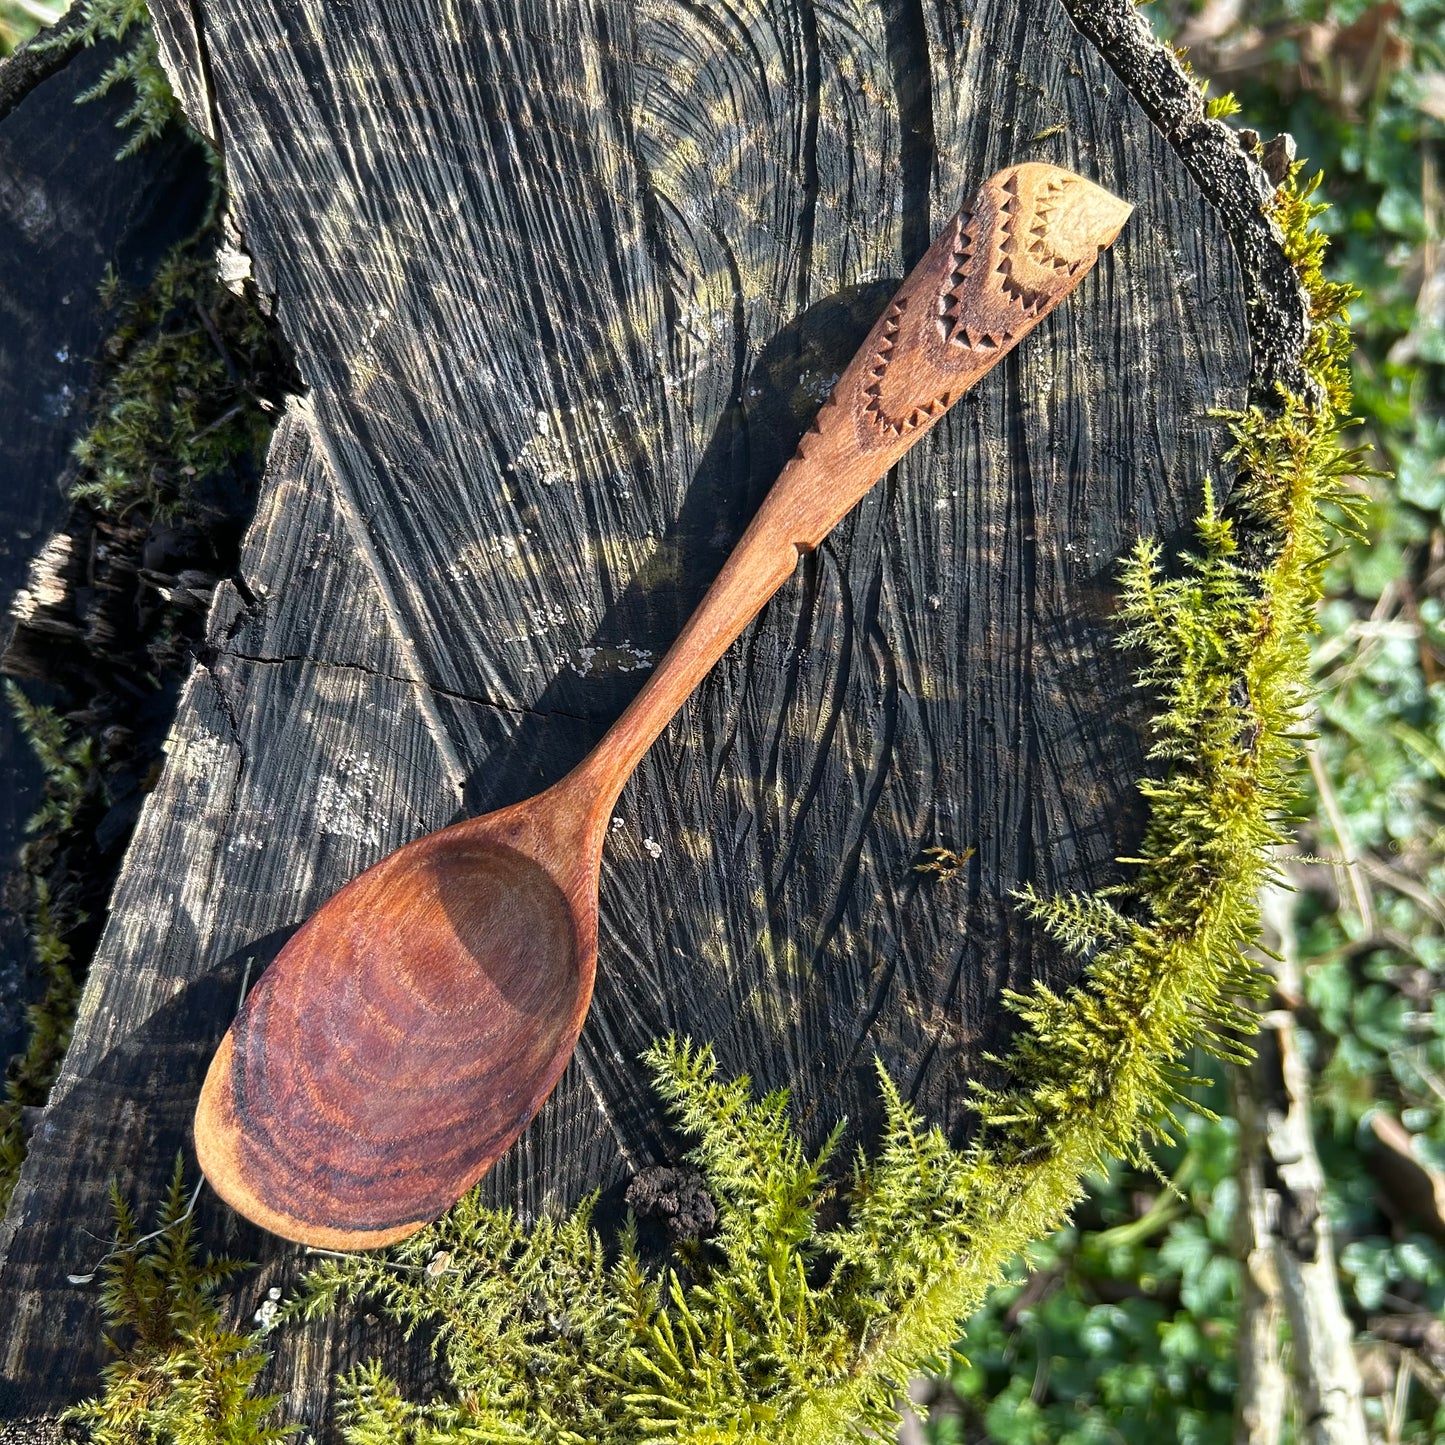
(565,284)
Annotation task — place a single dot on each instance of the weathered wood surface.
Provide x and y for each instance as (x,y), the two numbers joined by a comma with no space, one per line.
(68,209)
(565,283)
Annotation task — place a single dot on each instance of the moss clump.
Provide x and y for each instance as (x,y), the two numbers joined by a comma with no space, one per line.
(71,766)
(185,403)
(183,1376)
(31,1073)
(194,380)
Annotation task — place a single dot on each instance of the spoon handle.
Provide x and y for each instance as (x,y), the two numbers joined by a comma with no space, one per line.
(997,268)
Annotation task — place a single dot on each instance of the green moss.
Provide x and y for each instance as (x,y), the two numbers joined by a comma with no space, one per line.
(180,403)
(182,1375)
(127,23)
(72,778)
(31,1073)
(183,403)
(70,762)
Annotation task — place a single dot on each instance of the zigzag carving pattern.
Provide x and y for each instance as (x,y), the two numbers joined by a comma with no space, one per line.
(872,391)
(955,327)
(1003,262)
(1016,290)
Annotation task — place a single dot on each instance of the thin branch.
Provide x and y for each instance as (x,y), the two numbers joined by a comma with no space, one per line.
(1273,1097)
(1341,829)
(135,1244)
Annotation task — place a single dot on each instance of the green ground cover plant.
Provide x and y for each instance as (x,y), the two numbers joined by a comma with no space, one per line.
(188,399)
(153,104)
(182,1375)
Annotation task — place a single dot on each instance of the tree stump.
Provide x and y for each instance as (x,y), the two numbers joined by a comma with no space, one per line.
(565,284)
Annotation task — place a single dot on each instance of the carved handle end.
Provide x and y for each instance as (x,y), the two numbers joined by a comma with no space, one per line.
(997,269)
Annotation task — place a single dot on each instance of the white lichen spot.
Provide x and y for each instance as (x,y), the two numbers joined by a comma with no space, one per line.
(59,403)
(346,801)
(598,661)
(817,385)
(544,455)
(654,848)
(706,332)
(482,558)
(540,620)
(544,459)
(376,316)
(200,759)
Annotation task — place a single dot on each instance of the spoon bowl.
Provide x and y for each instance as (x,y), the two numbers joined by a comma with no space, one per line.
(360,1085)
(407,1033)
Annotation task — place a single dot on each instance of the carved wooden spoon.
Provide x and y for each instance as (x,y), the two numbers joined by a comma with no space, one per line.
(412,1027)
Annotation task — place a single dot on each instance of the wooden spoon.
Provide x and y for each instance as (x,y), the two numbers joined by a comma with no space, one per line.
(413,1026)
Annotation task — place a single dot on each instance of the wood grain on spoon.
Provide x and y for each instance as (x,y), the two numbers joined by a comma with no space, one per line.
(414,1024)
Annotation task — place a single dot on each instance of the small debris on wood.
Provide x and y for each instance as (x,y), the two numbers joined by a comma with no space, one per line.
(944,862)
(1276,155)
(677,1198)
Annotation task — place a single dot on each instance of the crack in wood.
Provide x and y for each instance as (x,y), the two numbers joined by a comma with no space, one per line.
(453,694)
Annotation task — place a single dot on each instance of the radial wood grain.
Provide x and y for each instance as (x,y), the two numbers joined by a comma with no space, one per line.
(566,283)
